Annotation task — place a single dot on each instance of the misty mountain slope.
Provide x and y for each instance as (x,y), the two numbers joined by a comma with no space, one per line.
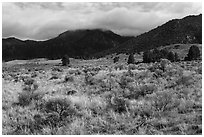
(185,30)
(78,43)
(87,43)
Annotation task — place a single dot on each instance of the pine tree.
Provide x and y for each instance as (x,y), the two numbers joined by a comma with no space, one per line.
(147,56)
(193,53)
(65,60)
(176,57)
(171,56)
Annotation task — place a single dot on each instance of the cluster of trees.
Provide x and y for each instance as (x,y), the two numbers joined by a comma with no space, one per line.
(155,55)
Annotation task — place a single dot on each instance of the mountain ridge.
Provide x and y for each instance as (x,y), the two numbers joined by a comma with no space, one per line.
(88,43)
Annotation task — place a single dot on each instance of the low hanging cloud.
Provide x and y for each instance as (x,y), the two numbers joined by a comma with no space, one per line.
(41,21)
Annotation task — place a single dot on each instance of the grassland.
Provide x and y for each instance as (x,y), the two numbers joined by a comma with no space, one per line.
(41,97)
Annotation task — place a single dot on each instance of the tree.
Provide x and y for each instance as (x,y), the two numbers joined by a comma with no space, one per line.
(156,55)
(65,60)
(164,53)
(147,56)
(176,57)
(198,36)
(193,53)
(131,59)
(171,56)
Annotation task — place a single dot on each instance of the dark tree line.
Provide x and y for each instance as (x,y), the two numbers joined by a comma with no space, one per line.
(155,55)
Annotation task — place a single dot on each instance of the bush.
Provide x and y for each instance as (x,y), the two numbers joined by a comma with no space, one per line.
(185,80)
(28,94)
(164,63)
(69,78)
(118,104)
(193,53)
(165,101)
(65,60)
(176,57)
(116,59)
(131,59)
(89,80)
(57,111)
(25,98)
(124,81)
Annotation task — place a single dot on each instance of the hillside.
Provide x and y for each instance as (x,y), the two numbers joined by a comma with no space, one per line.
(99,42)
(76,43)
(187,30)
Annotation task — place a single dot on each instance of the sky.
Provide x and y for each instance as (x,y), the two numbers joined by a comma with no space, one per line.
(41,21)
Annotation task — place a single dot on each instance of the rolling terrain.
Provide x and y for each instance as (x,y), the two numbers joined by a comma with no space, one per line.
(41,97)
(93,94)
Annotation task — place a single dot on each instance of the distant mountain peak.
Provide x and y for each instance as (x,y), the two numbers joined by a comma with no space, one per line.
(71,32)
(184,31)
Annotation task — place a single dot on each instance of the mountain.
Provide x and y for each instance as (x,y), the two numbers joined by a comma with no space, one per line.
(183,31)
(86,43)
(77,43)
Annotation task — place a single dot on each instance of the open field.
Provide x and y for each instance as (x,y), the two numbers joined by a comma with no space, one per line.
(100,97)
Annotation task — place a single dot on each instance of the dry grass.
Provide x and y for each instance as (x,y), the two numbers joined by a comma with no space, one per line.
(102,98)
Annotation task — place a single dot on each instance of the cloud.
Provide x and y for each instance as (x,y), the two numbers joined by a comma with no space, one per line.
(46,20)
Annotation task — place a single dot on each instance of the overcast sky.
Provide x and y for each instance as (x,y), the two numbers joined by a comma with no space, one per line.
(42,21)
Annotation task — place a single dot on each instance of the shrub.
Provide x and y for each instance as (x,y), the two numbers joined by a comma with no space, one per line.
(116,59)
(132,67)
(25,98)
(176,57)
(57,69)
(54,76)
(164,63)
(28,94)
(147,89)
(193,53)
(185,80)
(124,81)
(28,81)
(89,80)
(131,59)
(65,60)
(57,111)
(119,66)
(165,101)
(60,106)
(68,78)
(118,104)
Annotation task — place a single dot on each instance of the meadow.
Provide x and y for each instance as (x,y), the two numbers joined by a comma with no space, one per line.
(99,97)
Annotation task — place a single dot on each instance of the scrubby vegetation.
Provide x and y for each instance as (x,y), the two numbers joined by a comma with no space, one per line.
(124,99)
